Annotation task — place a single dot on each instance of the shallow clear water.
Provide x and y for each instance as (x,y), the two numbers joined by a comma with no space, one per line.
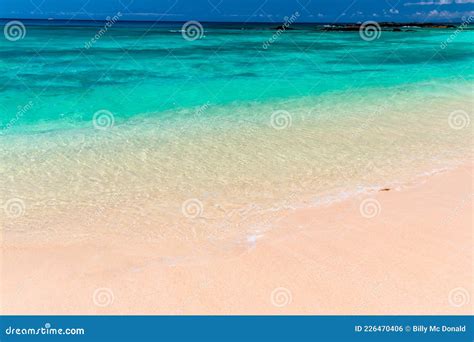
(221,120)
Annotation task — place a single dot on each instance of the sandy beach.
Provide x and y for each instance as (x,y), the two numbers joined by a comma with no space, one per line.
(256,171)
(405,251)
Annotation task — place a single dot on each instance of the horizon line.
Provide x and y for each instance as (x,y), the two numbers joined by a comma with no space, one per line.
(233,22)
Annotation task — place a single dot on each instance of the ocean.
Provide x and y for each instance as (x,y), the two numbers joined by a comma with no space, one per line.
(150,129)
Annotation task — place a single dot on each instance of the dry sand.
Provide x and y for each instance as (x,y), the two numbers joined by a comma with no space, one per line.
(415,256)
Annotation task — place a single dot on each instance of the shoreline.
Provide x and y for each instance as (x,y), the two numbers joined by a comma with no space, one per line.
(396,254)
(128,184)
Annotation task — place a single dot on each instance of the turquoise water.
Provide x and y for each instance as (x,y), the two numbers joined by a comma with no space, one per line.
(147,133)
(137,69)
